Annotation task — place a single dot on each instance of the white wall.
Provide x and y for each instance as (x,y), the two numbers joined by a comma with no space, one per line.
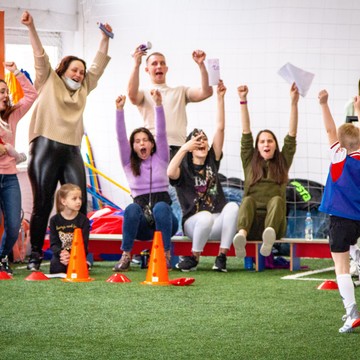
(252,39)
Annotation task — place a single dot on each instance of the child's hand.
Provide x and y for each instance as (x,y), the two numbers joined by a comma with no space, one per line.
(120,102)
(156,95)
(323,97)
(65,257)
(242,92)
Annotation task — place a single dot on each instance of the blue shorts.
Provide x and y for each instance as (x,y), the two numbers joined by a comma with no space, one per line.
(343,233)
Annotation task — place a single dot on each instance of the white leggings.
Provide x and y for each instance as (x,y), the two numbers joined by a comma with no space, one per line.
(204,226)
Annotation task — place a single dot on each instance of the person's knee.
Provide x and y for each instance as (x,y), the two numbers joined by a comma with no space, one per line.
(161,208)
(132,211)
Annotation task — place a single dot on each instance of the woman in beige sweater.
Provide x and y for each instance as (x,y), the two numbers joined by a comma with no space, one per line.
(56,130)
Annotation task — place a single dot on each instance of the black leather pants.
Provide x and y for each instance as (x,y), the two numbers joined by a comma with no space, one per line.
(51,162)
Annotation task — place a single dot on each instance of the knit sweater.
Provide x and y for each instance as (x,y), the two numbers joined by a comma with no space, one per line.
(58,114)
(7,163)
(140,185)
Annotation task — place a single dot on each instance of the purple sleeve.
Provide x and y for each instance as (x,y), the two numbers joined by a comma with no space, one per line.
(161,139)
(123,143)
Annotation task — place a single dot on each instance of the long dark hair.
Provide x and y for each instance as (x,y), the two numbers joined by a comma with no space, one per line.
(135,161)
(9,107)
(65,63)
(277,165)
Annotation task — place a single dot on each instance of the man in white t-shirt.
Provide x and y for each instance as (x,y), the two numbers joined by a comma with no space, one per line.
(174,99)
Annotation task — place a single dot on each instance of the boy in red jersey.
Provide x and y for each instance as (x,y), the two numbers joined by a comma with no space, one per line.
(341,200)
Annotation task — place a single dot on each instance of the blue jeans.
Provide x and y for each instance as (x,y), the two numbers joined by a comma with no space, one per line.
(135,225)
(10,203)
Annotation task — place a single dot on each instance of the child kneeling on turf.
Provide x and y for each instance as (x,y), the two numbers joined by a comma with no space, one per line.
(341,200)
(63,224)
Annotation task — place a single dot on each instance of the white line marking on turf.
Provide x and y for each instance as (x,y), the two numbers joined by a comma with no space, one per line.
(299,276)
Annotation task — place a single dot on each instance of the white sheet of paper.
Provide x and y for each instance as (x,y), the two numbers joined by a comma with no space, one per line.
(213,68)
(302,78)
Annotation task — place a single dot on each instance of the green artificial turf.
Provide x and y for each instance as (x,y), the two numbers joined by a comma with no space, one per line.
(236,315)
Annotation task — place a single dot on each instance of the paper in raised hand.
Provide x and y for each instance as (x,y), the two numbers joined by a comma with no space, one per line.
(302,78)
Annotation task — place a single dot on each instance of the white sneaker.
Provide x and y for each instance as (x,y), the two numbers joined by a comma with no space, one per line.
(351,321)
(268,238)
(239,243)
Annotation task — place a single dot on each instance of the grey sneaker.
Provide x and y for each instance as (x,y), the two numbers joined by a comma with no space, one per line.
(268,238)
(123,264)
(188,263)
(239,243)
(352,320)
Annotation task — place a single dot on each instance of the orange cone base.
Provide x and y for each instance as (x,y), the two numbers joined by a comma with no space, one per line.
(5,276)
(37,276)
(67,279)
(118,278)
(328,285)
(155,282)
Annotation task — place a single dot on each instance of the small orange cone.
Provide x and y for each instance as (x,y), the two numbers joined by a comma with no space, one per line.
(77,270)
(328,285)
(118,278)
(5,276)
(157,273)
(37,276)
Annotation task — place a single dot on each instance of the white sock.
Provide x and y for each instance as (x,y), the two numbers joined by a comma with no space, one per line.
(346,290)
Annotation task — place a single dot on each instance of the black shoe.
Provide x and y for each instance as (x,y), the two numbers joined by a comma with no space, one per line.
(34,262)
(188,263)
(4,265)
(220,263)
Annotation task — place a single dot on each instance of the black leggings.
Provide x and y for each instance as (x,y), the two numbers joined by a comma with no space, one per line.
(49,163)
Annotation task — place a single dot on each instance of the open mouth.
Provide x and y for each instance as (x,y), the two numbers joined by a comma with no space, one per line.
(159,73)
(143,151)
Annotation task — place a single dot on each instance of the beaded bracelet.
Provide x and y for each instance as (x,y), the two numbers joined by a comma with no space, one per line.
(243,102)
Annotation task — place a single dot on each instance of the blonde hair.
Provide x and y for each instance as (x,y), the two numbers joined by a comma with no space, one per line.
(62,193)
(349,137)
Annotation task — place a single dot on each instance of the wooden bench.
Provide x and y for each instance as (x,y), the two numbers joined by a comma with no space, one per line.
(103,245)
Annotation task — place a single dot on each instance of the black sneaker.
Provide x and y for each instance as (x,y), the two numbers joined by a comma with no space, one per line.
(4,265)
(34,261)
(220,263)
(188,263)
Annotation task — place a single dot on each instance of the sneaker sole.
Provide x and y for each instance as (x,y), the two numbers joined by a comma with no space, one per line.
(219,270)
(186,270)
(268,238)
(239,243)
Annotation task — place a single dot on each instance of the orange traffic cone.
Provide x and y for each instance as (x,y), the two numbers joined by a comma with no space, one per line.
(77,270)
(157,273)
